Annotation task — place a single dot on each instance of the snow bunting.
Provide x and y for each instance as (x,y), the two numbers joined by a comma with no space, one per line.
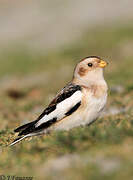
(79,103)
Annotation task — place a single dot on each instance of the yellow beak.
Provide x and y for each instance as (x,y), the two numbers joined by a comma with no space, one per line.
(103,64)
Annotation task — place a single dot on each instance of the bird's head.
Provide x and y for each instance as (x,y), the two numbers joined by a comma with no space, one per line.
(90,69)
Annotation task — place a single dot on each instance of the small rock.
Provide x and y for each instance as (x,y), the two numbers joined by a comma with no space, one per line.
(15,94)
(113,111)
(117,89)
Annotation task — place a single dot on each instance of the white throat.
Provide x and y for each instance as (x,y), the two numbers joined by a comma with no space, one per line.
(94,77)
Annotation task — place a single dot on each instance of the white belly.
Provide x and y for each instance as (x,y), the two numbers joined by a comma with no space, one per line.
(85,115)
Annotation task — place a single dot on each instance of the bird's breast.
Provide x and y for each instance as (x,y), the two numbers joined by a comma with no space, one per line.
(90,108)
(93,103)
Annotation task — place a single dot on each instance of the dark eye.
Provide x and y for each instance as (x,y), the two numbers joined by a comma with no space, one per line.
(90,64)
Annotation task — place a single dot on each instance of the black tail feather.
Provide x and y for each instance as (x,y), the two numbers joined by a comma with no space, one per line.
(21,128)
(32,128)
(29,129)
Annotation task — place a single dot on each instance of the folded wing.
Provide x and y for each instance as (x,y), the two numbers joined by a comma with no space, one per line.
(65,103)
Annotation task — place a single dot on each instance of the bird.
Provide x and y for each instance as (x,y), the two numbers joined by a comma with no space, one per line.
(79,103)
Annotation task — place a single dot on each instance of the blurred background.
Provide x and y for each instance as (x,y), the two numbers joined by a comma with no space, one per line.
(40,43)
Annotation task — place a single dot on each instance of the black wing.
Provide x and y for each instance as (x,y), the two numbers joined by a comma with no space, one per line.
(65,93)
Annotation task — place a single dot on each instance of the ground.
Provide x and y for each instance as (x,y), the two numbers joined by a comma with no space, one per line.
(29,80)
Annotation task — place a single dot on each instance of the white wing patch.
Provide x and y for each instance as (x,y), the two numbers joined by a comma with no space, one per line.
(62,108)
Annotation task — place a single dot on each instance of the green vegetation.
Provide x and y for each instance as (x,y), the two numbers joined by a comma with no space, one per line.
(29,81)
